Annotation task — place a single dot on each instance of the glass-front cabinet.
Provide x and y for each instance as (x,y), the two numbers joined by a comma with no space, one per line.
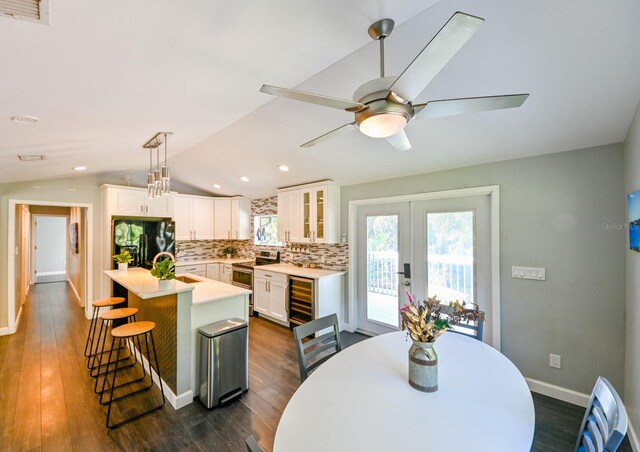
(319,208)
(313,211)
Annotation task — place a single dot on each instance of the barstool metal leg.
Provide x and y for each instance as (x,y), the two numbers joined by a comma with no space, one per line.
(90,337)
(113,381)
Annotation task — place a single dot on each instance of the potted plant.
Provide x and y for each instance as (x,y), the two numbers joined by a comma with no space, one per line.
(123,259)
(425,321)
(229,251)
(164,270)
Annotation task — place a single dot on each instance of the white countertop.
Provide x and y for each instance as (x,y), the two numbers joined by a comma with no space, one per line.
(294,270)
(208,290)
(218,260)
(140,282)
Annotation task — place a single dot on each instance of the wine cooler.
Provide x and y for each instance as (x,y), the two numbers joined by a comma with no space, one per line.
(301,302)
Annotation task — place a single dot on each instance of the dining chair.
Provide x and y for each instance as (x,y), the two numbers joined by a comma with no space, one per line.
(605,422)
(309,350)
(252,445)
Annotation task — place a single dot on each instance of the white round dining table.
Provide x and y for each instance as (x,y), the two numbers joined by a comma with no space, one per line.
(360,400)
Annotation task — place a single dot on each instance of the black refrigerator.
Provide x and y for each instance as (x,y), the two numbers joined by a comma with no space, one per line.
(144,239)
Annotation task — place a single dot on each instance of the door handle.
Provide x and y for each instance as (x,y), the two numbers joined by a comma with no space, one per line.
(406,272)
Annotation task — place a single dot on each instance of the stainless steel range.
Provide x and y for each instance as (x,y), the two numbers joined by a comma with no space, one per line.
(242,272)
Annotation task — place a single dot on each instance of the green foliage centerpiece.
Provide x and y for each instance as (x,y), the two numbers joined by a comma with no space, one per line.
(229,251)
(164,270)
(123,259)
(425,321)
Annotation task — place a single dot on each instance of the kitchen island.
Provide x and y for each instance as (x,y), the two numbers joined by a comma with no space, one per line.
(178,313)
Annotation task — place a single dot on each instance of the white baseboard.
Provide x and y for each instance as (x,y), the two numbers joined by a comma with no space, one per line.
(558,392)
(5,330)
(75,292)
(633,438)
(176,402)
(15,327)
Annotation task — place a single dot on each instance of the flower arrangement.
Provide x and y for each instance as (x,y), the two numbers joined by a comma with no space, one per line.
(426,321)
(124,257)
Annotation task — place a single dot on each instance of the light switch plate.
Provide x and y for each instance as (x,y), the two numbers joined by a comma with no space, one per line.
(536,273)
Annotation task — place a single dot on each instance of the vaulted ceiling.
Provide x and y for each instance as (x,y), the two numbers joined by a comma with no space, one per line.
(102,80)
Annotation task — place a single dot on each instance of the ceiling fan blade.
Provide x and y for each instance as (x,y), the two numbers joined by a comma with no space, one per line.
(334,133)
(400,141)
(444,45)
(325,101)
(450,107)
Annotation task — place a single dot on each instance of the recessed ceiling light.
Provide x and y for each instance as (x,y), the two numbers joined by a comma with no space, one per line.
(244,178)
(284,168)
(79,168)
(24,119)
(37,187)
(216,186)
(71,189)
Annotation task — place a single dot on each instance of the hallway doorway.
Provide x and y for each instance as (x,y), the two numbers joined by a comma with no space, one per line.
(63,233)
(50,248)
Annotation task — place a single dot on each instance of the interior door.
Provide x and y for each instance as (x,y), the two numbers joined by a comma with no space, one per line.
(383,253)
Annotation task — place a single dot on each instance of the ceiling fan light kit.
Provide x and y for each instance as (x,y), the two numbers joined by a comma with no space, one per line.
(384,106)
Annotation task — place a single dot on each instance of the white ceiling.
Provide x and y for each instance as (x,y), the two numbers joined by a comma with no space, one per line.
(102,81)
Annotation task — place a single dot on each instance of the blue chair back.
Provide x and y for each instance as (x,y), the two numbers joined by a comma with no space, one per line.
(605,422)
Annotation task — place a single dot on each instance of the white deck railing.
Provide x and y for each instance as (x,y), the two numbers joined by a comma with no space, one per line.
(453,272)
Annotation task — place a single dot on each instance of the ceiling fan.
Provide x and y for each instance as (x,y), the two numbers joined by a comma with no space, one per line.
(383,106)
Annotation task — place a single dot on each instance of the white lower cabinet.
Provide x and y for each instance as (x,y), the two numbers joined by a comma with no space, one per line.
(197,269)
(270,295)
(225,273)
(213,271)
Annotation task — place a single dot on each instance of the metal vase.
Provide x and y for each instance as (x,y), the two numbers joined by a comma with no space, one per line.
(423,367)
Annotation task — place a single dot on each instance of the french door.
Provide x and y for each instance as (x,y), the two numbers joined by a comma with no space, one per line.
(437,247)
(382,249)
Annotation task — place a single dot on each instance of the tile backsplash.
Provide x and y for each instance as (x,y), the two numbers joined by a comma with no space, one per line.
(195,250)
(327,256)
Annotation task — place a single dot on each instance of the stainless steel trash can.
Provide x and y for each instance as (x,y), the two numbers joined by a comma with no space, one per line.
(224,361)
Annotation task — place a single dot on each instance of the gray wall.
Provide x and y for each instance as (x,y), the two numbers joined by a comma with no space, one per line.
(552,211)
(632,359)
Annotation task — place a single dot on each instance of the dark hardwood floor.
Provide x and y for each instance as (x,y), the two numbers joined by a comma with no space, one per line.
(47,400)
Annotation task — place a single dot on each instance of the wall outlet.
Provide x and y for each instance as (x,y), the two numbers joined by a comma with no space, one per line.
(555,361)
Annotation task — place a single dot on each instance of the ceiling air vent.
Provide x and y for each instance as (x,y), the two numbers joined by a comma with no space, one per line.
(31,157)
(29,10)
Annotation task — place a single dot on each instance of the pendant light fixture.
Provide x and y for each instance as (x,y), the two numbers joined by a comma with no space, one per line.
(158,179)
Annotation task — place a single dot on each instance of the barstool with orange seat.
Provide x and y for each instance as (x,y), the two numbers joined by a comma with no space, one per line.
(105,303)
(126,333)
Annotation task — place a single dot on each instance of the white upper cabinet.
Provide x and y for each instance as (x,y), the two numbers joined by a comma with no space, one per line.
(232,218)
(160,207)
(289,219)
(194,217)
(222,224)
(241,218)
(131,201)
(310,213)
